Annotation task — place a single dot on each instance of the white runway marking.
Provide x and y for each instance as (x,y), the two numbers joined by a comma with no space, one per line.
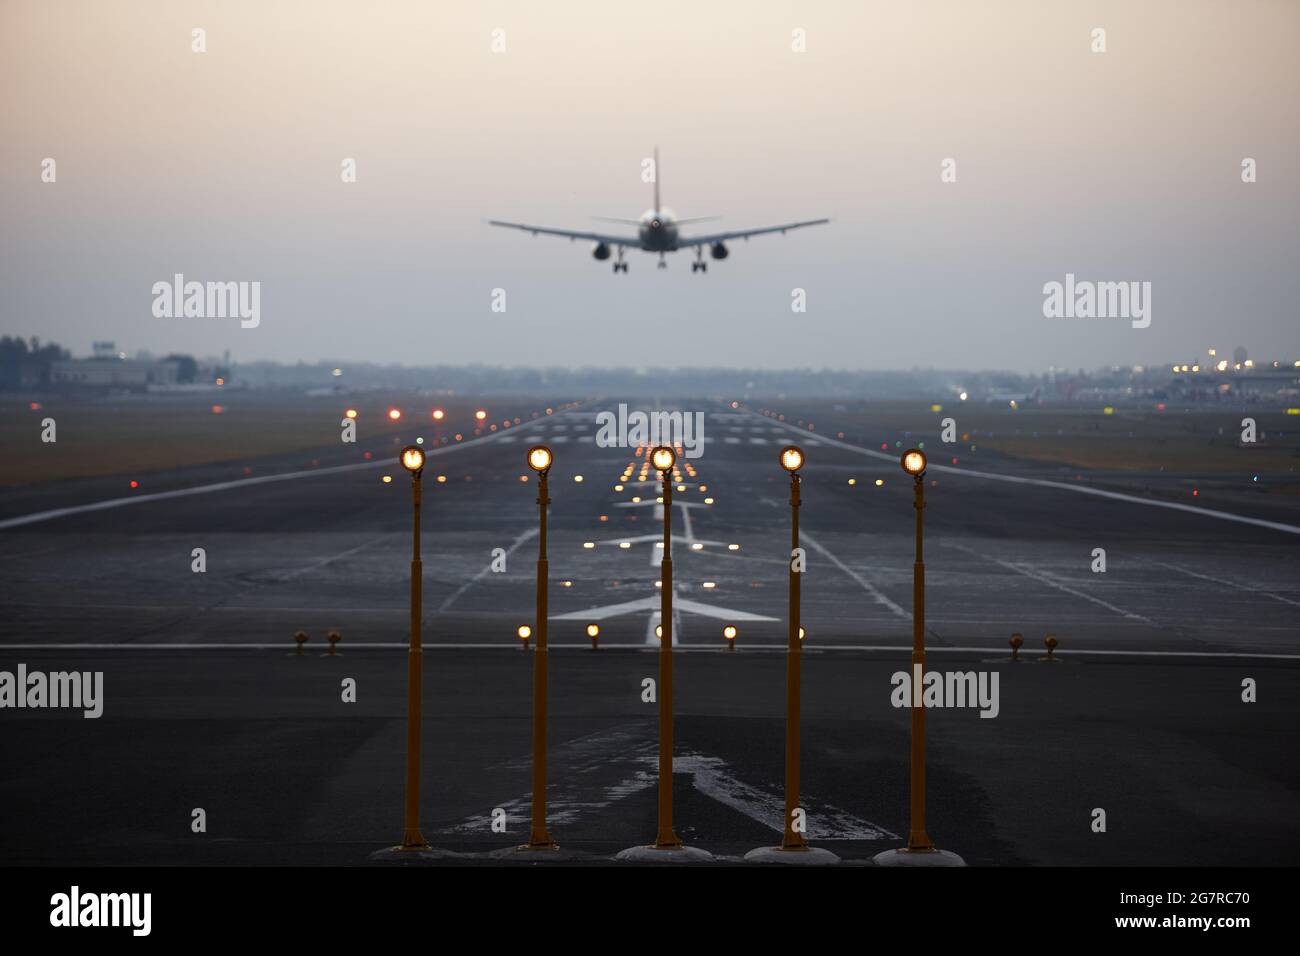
(531,532)
(330,560)
(1043,578)
(866,585)
(774,648)
(1045,483)
(628,759)
(1231,584)
(236,483)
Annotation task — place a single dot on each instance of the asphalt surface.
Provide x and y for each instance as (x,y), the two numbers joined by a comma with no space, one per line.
(207,705)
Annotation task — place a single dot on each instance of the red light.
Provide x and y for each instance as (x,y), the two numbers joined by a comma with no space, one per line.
(1195,493)
(135,484)
(884,446)
(367,456)
(35,406)
(218,409)
(954,461)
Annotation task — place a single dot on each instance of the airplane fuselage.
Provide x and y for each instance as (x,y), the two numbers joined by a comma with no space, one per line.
(658,231)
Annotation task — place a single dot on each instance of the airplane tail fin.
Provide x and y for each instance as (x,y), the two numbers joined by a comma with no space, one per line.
(656,180)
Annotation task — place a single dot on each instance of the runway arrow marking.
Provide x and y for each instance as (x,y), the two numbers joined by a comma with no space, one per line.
(629,758)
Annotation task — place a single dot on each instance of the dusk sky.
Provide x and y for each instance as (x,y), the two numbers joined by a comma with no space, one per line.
(225,166)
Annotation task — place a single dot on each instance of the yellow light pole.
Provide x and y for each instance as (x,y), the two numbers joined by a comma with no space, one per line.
(663,458)
(917,840)
(540,459)
(920,851)
(667,845)
(412,839)
(792,460)
(794,847)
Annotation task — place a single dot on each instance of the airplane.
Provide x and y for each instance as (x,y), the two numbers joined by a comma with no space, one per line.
(657,231)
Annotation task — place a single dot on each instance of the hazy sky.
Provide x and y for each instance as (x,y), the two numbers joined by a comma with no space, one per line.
(225,165)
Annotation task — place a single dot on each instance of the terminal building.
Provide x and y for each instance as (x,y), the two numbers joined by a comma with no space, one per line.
(113,373)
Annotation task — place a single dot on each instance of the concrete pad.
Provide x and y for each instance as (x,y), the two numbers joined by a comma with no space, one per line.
(654,854)
(905,857)
(396,854)
(807,856)
(527,854)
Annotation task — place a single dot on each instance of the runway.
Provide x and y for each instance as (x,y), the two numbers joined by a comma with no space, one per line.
(207,706)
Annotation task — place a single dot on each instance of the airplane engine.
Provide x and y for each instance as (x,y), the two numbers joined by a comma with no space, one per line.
(718,251)
(600,251)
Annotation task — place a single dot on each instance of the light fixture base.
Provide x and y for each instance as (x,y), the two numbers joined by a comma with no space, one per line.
(905,857)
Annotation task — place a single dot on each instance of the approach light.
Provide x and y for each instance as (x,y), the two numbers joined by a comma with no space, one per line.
(593,630)
(480,414)
(394,413)
(913,461)
(663,458)
(438,414)
(792,458)
(539,458)
(729,632)
(413,459)
(524,632)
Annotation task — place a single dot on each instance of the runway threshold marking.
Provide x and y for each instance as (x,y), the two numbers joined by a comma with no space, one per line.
(1231,584)
(1045,483)
(866,585)
(1043,578)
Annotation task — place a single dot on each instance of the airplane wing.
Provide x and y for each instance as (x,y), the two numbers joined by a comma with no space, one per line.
(745,233)
(570,233)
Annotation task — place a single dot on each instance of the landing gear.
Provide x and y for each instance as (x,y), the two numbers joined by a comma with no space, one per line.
(662,263)
(699,265)
(619,264)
